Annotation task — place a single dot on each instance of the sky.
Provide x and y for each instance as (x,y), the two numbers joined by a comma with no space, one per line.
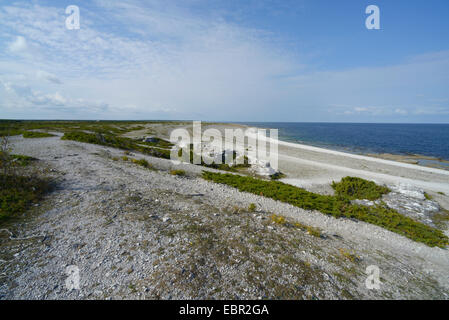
(230,60)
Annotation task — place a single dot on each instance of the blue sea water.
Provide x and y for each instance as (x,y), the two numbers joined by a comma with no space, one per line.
(404,139)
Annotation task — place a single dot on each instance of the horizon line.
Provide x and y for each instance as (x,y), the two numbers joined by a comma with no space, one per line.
(221,121)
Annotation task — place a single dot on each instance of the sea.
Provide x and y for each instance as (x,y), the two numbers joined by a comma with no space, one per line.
(362,138)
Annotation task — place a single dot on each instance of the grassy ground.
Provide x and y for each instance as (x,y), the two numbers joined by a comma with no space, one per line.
(35,134)
(22,160)
(17,193)
(356,188)
(109,133)
(17,127)
(116,142)
(219,166)
(19,187)
(159,149)
(337,206)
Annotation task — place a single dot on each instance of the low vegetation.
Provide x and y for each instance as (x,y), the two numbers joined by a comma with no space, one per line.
(441,219)
(252,207)
(160,143)
(98,138)
(277,176)
(180,173)
(36,134)
(357,188)
(115,142)
(17,127)
(18,189)
(349,255)
(219,166)
(140,162)
(281,220)
(143,163)
(277,219)
(20,160)
(316,232)
(107,133)
(337,206)
(17,193)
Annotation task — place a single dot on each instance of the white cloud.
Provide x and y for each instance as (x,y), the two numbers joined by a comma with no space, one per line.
(190,64)
(44,75)
(160,59)
(24,98)
(432,110)
(18,45)
(401,111)
(55,99)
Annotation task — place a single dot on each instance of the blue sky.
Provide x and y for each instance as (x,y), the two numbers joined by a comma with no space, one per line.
(234,60)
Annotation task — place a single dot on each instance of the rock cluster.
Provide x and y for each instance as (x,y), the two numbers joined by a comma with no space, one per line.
(408,200)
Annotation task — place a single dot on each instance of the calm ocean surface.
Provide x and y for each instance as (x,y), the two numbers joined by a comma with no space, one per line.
(422,139)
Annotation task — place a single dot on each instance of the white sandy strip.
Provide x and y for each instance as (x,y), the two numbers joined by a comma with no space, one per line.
(348,155)
(355,156)
(381,177)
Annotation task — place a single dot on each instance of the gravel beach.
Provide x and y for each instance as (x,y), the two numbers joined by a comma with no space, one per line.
(135,233)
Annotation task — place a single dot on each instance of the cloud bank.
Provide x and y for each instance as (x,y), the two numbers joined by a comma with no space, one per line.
(153,60)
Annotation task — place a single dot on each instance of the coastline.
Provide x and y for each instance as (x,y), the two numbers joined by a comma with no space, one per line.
(315,168)
(411,158)
(104,195)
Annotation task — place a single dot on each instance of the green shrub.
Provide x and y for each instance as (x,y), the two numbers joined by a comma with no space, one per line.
(13,160)
(334,205)
(278,219)
(277,176)
(252,207)
(98,138)
(348,255)
(280,191)
(142,162)
(316,232)
(219,166)
(17,127)
(180,173)
(160,143)
(357,188)
(10,128)
(35,134)
(22,160)
(18,192)
(115,142)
